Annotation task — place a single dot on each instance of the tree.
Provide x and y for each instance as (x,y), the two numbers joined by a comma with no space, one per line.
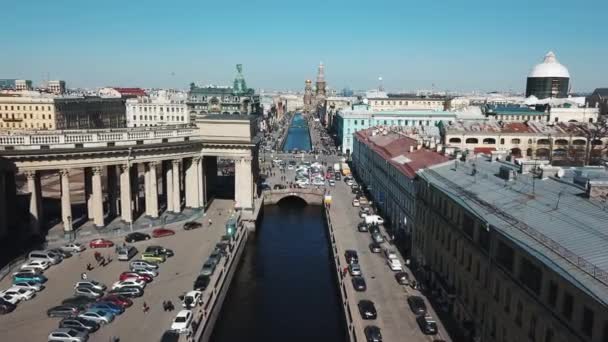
(597,141)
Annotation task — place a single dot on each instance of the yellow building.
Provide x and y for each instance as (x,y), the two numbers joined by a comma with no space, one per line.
(24,112)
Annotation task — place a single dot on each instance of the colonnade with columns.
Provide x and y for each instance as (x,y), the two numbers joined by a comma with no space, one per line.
(176,183)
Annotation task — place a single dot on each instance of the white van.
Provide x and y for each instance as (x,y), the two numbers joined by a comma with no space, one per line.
(126,253)
(42,255)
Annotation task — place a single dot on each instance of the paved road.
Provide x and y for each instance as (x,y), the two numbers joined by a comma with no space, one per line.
(29,322)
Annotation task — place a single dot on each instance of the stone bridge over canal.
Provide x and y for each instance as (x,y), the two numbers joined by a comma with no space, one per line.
(311,196)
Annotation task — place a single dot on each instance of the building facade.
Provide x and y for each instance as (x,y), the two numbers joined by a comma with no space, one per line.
(27,112)
(6,83)
(56,87)
(406,102)
(502,264)
(598,99)
(238,99)
(548,79)
(333,104)
(23,85)
(163,107)
(89,112)
(308,96)
(349,121)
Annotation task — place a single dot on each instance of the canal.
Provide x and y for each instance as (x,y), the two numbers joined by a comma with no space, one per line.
(298,136)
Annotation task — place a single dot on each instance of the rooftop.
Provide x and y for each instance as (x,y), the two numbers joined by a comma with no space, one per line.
(346,113)
(528,127)
(551,219)
(395,148)
(512,110)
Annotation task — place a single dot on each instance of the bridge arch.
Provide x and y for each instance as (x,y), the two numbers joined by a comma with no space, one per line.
(292,198)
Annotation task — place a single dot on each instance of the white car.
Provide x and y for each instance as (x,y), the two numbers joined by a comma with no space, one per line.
(39,265)
(332,182)
(68,335)
(22,294)
(10,298)
(394,264)
(91,284)
(182,322)
(28,285)
(129,282)
(73,247)
(356,203)
(192,299)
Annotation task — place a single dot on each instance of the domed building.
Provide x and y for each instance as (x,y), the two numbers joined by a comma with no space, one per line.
(548,79)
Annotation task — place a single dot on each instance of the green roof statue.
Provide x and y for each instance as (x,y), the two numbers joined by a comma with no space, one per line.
(240,86)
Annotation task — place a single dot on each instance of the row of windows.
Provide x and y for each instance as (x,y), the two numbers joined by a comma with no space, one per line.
(398,122)
(6,107)
(523,117)
(394,103)
(169,118)
(26,125)
(492,141)
(160,109)
(24,116)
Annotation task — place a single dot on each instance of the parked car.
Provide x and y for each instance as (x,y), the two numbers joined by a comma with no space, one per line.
(21,293)
(65,310)
(161,232)
(87,292)
(128,291)
(98,315)
(132,282)
(201,282)
(30,285)
(50,257)
(394,265)
(208,268)
(402,278)
(417,305)
(79,301)
(375,247)
(192,298)
(73,247)
(170,336)
(101,243)
(427,324)
(134,275)
(160,250)
(108,306)
(356,202)
(24,276)
(182,322)
(68,335)
(152,257)
(367,309)
(362,227)
(351,256)
(79,323)
(136,236)
(143,264)
(6,307)
(58,251)
(359,283)
(144,271)
(118,300)
(91,284)
(192,225)
(372,333)
(125,253)
(354,269)
(10,298)
(378,238)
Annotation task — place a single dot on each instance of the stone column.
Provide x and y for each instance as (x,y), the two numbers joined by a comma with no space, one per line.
(88,192)
(112,187)
(151,190)
(192,187)
(66,201)
(125,194)
(201,186)
(177,198)
(243,192)
(135,199)
(35,201)
(169,186)
(97,198)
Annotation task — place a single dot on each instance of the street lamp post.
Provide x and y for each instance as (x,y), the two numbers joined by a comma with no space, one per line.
(129,170)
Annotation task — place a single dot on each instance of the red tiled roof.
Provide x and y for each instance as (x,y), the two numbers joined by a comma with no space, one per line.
(131,91)
(486,150)
(394,145)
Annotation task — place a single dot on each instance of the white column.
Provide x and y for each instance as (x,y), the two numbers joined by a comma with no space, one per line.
(97,198)
(192,184)
(66,201)
(151,190)
(177,200)
(88,192)
(200,179)
(35,205)
(169,186)
(125,194)
(243,192)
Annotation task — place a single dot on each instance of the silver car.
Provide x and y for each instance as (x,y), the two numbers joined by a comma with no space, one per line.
(68,335)
(98,315)
(143,264)
(354,269)
(141,270)
(87,292)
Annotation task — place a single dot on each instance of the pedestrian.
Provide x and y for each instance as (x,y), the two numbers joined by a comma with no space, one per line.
(89,267)
(165,306)
(210,222)
(146,308)
(83,276)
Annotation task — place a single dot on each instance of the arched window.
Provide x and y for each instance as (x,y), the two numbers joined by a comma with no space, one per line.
(515,141)
(455,140)
(489,141)
(472,141)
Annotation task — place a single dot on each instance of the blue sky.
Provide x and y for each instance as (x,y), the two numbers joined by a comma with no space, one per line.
(455,45)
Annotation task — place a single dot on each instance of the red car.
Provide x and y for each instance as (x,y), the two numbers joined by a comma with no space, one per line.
(160,232)
(101,243)
(118,300)
(133,275)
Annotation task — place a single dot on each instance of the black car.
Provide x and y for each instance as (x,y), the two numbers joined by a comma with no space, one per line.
(201,283)
(78,301)
(367,309)
(137,236)
(362,227)
(79,323)
(375,247)
(128,291)
(427,325)
(170,336)
(359,283)
(351,256)
(417,305)
(62,311)
(372,333)
(402,278)
(160,250)
(6,307)
(192,225)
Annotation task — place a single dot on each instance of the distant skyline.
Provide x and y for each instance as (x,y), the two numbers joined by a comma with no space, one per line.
(455,46)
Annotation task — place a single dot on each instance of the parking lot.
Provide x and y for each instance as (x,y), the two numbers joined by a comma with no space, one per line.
(176,276)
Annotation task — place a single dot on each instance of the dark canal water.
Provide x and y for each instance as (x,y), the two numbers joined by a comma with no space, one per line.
(284,289)
(298,136)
